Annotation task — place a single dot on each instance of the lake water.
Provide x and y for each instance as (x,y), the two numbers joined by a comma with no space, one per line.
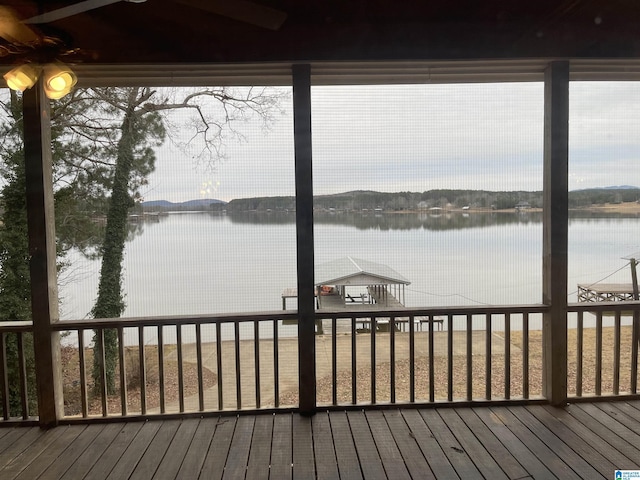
(200,263)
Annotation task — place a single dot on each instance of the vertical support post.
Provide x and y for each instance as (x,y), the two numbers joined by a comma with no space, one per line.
(304,237)
(42,250)
(633,263)
(555,230)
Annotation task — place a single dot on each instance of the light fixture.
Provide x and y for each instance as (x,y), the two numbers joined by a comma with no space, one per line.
(58,79)
(21,77)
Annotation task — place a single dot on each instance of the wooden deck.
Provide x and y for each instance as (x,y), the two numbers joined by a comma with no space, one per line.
(587,440)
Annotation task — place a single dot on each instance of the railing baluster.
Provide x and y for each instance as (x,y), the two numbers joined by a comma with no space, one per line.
(450,357)
(635,341)
(103,374)
(392,355)
(4,376)
(236,331)
(276,365)
(616,354)
(488,366)
(123,372)
(22,366)
(83,374)
(525,355)
(469,357)
(256,354)
(161,367)
(354,375)
(412,360)
(180,368)
(579,352)
(199,363)
(432,388)
(143,371)
(374,327)
(599,353)
(334,361)
(507,356)
(219,364)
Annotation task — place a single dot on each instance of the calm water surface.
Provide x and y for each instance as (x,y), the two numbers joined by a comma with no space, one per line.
(199,263)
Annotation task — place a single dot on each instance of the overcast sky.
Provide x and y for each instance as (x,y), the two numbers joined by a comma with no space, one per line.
(420,137)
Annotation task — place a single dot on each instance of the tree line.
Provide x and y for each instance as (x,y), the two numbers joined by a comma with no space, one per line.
(415,201)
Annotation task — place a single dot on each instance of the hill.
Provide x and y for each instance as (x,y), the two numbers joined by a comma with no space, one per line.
(358,200)
(166,206)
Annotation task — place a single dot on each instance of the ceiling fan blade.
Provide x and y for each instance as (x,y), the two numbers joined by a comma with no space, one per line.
(241,10)
(70,10)
(13,30)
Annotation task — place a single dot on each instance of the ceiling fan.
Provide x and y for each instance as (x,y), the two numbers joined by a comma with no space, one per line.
(241,10)
(20,33)
(30,47)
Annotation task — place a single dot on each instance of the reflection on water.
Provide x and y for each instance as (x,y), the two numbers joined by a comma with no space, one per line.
(199,263)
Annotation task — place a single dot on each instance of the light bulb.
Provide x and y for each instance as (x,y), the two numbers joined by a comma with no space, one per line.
(21,78)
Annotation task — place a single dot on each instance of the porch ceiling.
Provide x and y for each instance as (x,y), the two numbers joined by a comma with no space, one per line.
(184,31)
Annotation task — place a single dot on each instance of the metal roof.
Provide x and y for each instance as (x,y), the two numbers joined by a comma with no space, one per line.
(355,271)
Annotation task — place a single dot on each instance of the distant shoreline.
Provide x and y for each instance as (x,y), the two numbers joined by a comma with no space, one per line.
(625,207)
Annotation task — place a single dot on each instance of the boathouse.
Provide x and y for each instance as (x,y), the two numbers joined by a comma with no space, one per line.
(349,282)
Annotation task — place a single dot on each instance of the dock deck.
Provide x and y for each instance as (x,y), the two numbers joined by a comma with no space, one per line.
(605,292)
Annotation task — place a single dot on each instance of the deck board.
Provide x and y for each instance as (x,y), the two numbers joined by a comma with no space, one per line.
(134,452)
(323,450)
(303,461)
(74,451)
(461,462)
(607,435)
(550,438)
(579,445)
(348,464)
(529,461)
(107,461)
(584,440)
(93,452)
(509,464)
(366,449)
(390,455)
(198,449)
(613,455)
(431,450)
(282,452)
(180,444)
(399,452)
(54,449)
(14,466)
(236,465)
(483,461)
(537,446)
(260,453)
(158,448)
(213,466)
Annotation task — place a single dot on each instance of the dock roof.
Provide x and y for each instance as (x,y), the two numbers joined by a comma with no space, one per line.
(355,271)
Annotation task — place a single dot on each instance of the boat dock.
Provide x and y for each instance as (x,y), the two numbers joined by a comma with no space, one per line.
(605,292)
(357,285)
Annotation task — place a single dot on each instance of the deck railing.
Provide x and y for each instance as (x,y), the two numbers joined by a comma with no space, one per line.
(193,365)
(603,349)
(432,355)
(16,346)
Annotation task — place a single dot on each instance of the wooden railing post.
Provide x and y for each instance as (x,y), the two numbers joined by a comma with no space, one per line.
(304,237)
(555,230)
(42,250)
